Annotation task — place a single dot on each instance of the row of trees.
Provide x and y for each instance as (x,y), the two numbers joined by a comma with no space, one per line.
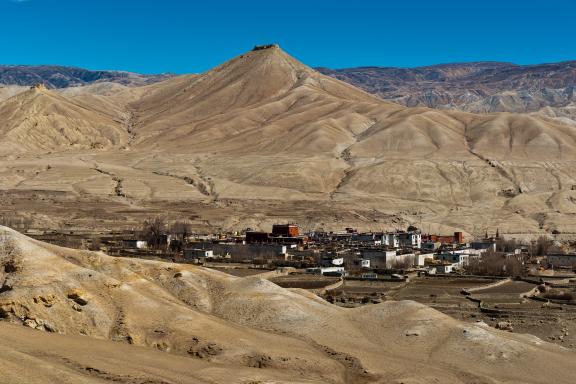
(155,231)
(496,264)
(500,264)
(16,222)
(540,247)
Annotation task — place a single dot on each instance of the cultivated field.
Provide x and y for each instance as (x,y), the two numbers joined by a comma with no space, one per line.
(502,303)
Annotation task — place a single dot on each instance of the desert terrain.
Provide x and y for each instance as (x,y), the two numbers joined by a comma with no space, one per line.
(158,322)
(264,138)
(480,87)
(504,303)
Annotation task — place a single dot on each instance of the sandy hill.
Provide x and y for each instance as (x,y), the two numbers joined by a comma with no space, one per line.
(40,119)
(266,101)
(263,138)
(260,102)
(32,357)
(7,91)
(238,323)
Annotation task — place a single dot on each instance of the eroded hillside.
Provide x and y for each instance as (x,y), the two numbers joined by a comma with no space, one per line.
(238,323)
(264,137)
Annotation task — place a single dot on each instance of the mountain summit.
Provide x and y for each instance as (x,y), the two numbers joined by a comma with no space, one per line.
(262,99)
(272,137)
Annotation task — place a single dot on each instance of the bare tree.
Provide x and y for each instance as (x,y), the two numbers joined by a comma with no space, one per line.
(19,223)
(6,246)
(542,245)
(503,245)
(496,264)
(403,263)
(154,232)
(181,230)
(95,243)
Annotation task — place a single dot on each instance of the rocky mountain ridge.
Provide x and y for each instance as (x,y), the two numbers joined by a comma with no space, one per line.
(263,137)
(57,76)
(480,87)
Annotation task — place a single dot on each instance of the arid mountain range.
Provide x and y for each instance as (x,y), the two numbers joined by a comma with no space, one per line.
(483,87)
(479,87)
(264,138)
(56,76)
(125,320)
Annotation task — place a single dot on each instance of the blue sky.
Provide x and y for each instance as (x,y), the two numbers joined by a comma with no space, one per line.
(153,36)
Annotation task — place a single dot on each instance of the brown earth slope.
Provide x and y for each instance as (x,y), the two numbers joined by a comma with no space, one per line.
(243,322)
(264,138)
(40,119)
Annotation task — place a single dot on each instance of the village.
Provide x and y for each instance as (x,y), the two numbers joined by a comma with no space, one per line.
(527,287)
(346,254)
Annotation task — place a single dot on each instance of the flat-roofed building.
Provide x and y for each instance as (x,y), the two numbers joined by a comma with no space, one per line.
(285,230)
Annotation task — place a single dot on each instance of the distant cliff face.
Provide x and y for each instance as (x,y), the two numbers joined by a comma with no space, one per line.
(63,77)
(475,87)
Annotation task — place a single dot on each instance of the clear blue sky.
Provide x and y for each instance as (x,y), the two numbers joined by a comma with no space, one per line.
(192,36)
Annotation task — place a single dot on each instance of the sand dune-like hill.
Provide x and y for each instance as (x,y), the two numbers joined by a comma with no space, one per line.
(265,100)
(32,357)
(262,101)
(7,91)
(40,119)
(248,327)
(264,137)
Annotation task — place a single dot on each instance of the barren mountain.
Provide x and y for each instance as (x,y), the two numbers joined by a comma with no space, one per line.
(54,76)
(248,328)
(263,138)
(481,87)
(262,101)
(266,101)
(9,91)
(39,119)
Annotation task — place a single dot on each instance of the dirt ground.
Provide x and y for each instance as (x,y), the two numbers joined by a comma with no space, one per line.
(239,324)
(304,281)
(239,271)
(502,304)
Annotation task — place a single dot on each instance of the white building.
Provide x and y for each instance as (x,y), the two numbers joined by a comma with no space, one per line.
(420,259)
(198,253)
(470,251)
(383,259)
(368,238)
(326,270)
(391,240)
(379,258)
(487,245)
(444,268)
(338,261)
